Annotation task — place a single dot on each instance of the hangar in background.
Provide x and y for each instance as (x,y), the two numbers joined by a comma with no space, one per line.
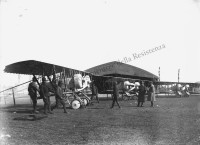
(118,69)
(104,73)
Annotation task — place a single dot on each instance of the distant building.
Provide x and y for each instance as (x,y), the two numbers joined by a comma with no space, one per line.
(118,69)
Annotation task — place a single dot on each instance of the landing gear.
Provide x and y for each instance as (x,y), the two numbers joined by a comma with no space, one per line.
(75,104)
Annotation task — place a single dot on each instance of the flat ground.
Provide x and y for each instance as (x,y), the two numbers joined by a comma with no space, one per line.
(171,121)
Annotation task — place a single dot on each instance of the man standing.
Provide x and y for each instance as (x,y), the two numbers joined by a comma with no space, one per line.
(45,89)
(141,95)
(115,94)
(152,93)
(32,90)
(59,96)
(94,91)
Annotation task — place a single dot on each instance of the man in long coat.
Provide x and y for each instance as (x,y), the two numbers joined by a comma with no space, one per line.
(94,91)
(59,96)
(45,92)
(115,94)
(152,94)
(32,90)
(141,95)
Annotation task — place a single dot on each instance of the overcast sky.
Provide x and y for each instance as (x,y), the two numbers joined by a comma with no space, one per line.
(84,33)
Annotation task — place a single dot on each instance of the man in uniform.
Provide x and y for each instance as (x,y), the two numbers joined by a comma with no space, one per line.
(45,89)
(59,96)
(141,95)
(115,94)
(32,90)
(94,91)
(152,94)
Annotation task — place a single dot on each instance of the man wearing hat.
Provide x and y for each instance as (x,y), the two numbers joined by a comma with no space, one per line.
(115,94)
(45,89)
(59,96)
(32,90)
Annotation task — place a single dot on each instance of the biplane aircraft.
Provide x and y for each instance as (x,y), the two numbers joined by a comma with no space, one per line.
(181,89)
(38,68)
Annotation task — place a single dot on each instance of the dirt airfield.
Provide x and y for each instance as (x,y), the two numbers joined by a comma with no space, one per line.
(172,121)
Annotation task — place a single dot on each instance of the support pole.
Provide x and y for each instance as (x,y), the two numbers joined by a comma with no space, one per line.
(36,80)
(64,80)
(178,75)
(13,96)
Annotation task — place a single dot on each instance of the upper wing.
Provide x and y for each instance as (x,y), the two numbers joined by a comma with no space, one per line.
(31,67)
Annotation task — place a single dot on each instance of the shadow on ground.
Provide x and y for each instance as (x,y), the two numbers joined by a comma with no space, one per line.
(32,117)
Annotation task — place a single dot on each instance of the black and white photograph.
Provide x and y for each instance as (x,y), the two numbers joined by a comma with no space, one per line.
(99,72)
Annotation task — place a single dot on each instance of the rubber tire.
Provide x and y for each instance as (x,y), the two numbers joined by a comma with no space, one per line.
(75,104)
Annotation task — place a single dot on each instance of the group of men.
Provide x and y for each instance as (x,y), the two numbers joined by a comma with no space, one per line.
(44,90)
(141,94)
(150,94)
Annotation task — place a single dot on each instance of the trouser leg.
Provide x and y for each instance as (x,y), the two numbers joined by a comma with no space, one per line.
(64,106)
(113,103)
(57,103)
(34,101)
(138,103)
(34,105)
(49,105)
(117,103)
(97,97)
(92,97)
(141,104)
(46,104)
(151,103)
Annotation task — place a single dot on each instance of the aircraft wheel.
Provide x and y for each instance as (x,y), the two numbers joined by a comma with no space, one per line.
(75,104)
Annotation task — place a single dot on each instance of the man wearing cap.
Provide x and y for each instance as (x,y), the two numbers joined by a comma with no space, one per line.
(45,89)
(59,96)
(32,90)
(115,94)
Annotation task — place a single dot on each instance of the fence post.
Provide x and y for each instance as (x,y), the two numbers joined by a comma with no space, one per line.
(13,96)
